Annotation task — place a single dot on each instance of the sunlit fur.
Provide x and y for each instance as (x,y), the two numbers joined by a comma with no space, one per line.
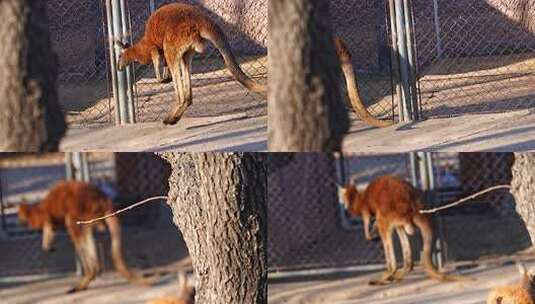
(395,204)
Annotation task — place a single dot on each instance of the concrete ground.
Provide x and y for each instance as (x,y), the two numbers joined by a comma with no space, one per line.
(510,131)
(108,288)
(232,132)
(353,288)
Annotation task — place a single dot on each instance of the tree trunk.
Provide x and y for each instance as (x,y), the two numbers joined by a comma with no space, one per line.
(219,205)
(31,118)
(523,189)
(306,111)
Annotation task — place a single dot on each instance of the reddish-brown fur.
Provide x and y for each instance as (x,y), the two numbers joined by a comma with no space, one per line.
(178,31)
(352,86)
(520,293)
(395,204)
(65,204)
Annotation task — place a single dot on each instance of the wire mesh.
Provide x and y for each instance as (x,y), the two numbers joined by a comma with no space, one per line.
(215,91)
(307,226)
(78,35)
(124,177)
(487,225)
(475,56)
(364,26)
(309,229)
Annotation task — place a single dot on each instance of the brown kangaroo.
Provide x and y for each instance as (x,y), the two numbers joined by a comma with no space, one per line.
(72,201)
(396,206)
(178,31)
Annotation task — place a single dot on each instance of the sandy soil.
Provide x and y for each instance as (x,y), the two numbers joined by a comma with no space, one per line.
(509,131)
(108,288)
(233,132)
(352,287)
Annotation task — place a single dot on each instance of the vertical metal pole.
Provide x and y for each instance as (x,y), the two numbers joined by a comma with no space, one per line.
(113,66)
(407,7)
(403,59)
(2,205)
(428,185)
(437,28)
(69,170)
(413,167)
(152,6)
(394,55)
(341,163)
(121,75)
(70,174)
(126,32)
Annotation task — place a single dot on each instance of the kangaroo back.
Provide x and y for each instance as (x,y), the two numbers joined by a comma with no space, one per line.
(117,255)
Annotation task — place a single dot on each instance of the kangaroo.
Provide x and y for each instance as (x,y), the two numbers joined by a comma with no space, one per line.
(186,294)
(178,31)
(520,293)
(352,86)
(65,204)
(395,205)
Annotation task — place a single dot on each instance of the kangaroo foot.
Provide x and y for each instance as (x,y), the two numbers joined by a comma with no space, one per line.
(386,278)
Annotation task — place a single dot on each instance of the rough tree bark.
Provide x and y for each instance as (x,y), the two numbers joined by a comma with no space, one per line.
(523,189)
(31,118)
(219,204)
(306,111)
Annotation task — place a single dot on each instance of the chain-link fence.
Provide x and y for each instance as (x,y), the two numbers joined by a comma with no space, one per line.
(309,228)
(79,37)
(125,177)
(472,56)
(364,26)
(475,56)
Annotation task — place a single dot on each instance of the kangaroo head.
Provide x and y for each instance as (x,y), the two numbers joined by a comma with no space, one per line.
(32,215)
(520,293)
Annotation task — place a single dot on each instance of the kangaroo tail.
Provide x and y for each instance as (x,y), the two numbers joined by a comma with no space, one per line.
(424,225)
(217,37)
(352,87)
(117,255)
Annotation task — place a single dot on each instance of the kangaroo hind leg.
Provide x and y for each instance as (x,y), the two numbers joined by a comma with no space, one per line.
(180,65)
(385,231)
(407,254)
(85,249)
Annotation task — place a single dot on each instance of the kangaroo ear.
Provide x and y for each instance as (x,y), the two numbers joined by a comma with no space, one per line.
(121,44)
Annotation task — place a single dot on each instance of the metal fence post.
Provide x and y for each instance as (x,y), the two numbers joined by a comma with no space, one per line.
(427,180)
(122,81)
(437,27)
(394,58)
(2,211)
(403,53)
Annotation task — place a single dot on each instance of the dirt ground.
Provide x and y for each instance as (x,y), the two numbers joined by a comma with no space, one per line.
(107,288)
(498,132)
(224,116)
(351,287)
